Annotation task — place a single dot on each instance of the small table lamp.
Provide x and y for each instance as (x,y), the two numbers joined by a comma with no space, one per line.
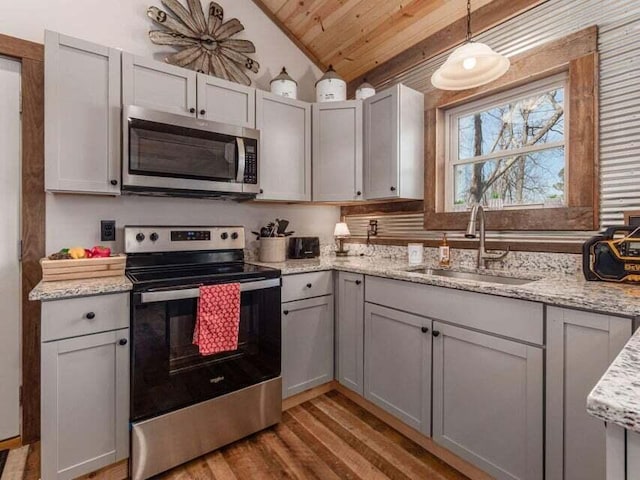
(341,232)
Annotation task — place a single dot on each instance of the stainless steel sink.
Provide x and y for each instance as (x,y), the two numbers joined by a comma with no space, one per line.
(478,277)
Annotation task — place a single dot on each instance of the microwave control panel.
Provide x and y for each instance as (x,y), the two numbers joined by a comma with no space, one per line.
(251,161)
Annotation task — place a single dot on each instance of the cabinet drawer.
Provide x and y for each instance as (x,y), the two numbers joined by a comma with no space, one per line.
(509,317)
(83,316)
(306,285)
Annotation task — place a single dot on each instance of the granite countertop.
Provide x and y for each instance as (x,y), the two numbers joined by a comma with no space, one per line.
(79,288)
(561,290)
(616,397)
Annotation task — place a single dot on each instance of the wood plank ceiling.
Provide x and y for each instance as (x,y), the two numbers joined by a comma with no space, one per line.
(357,35)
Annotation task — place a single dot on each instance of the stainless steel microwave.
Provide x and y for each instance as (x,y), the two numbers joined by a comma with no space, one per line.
(168,154)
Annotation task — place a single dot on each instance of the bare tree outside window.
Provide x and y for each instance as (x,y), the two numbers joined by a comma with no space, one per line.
(510,154)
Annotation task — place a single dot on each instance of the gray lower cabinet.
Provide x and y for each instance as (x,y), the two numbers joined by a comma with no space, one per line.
(82,116)
(285,147)
(307,344)
(488,401)
(85,384)
(350,330)
(337,151)
(397,364)
(580,347)
(85,404)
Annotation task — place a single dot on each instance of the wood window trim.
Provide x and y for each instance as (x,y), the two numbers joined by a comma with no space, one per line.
(31,57)
(576,54)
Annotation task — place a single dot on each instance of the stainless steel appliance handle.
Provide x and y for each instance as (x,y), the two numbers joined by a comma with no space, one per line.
(168,295)
(242,160)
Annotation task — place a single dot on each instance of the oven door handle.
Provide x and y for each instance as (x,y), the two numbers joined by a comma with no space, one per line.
(168,295)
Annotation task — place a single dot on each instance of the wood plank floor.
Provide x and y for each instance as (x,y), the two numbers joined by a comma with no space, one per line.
(326,438)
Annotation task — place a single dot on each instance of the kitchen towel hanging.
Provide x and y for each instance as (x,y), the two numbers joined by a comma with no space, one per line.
(218,320)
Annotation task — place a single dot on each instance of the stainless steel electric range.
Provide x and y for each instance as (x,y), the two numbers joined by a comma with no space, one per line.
(184,404)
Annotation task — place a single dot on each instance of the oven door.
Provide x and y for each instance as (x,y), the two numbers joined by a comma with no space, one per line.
(170,152)
(168,373)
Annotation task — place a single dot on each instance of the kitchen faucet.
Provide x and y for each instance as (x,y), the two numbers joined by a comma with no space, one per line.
(483,255)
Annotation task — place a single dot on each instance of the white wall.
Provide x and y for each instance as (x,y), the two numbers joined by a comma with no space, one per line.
(75,219)
(124,24)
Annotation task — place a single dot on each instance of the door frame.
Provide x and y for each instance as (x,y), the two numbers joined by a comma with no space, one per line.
(31,56)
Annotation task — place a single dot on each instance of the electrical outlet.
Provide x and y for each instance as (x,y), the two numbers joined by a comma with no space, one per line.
(107,230)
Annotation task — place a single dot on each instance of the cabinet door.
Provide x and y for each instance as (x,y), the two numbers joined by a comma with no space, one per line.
(307,344)
(285,147)
(82,116)
(580,347)
(397,364)
(226,102)
(487,401)
(158,86)
(350,331)
(381,145)
(337,151)
(85,404)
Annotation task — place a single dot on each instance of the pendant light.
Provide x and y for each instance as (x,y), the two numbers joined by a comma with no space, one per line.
(470,65)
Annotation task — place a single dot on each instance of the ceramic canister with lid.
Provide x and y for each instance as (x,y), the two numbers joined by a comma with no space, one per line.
(331,88)
(284,85)
(365,90)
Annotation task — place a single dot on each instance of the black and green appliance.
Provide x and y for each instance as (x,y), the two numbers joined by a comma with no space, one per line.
(613,255)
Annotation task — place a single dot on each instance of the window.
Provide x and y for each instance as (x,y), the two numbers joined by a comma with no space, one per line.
(508,150)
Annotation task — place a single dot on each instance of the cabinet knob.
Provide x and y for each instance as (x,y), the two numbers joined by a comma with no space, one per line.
(358,282)
(358,193)
(425,330)
(114,182)
(286,312)
(261,191)
(436,333)
(393,189)
(202,112)
(192,110)
(122,341)
(309,285)
(90,315)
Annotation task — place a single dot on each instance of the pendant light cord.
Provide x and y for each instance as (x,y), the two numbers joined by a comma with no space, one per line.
(468,20)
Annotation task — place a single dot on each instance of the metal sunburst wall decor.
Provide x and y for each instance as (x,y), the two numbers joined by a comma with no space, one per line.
(205,42)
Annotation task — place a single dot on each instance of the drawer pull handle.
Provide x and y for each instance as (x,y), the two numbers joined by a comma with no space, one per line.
(436,333)
(286,312)
(358,282)
(122,341)
(90,315)
(425,330)
(309,285)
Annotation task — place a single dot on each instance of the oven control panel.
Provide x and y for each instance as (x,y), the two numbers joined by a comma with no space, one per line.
(150,239)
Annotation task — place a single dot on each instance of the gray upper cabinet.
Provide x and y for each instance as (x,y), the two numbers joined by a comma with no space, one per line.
(82,116)
(580,347)
(85,404)
(307,344)
(285,147)
(350,331)
(337,151)
(158,85)
(487,401)
(394,144)
(226,102)
(397,364)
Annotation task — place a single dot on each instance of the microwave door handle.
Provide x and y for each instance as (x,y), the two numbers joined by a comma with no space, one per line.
(169,295)
(242,160)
